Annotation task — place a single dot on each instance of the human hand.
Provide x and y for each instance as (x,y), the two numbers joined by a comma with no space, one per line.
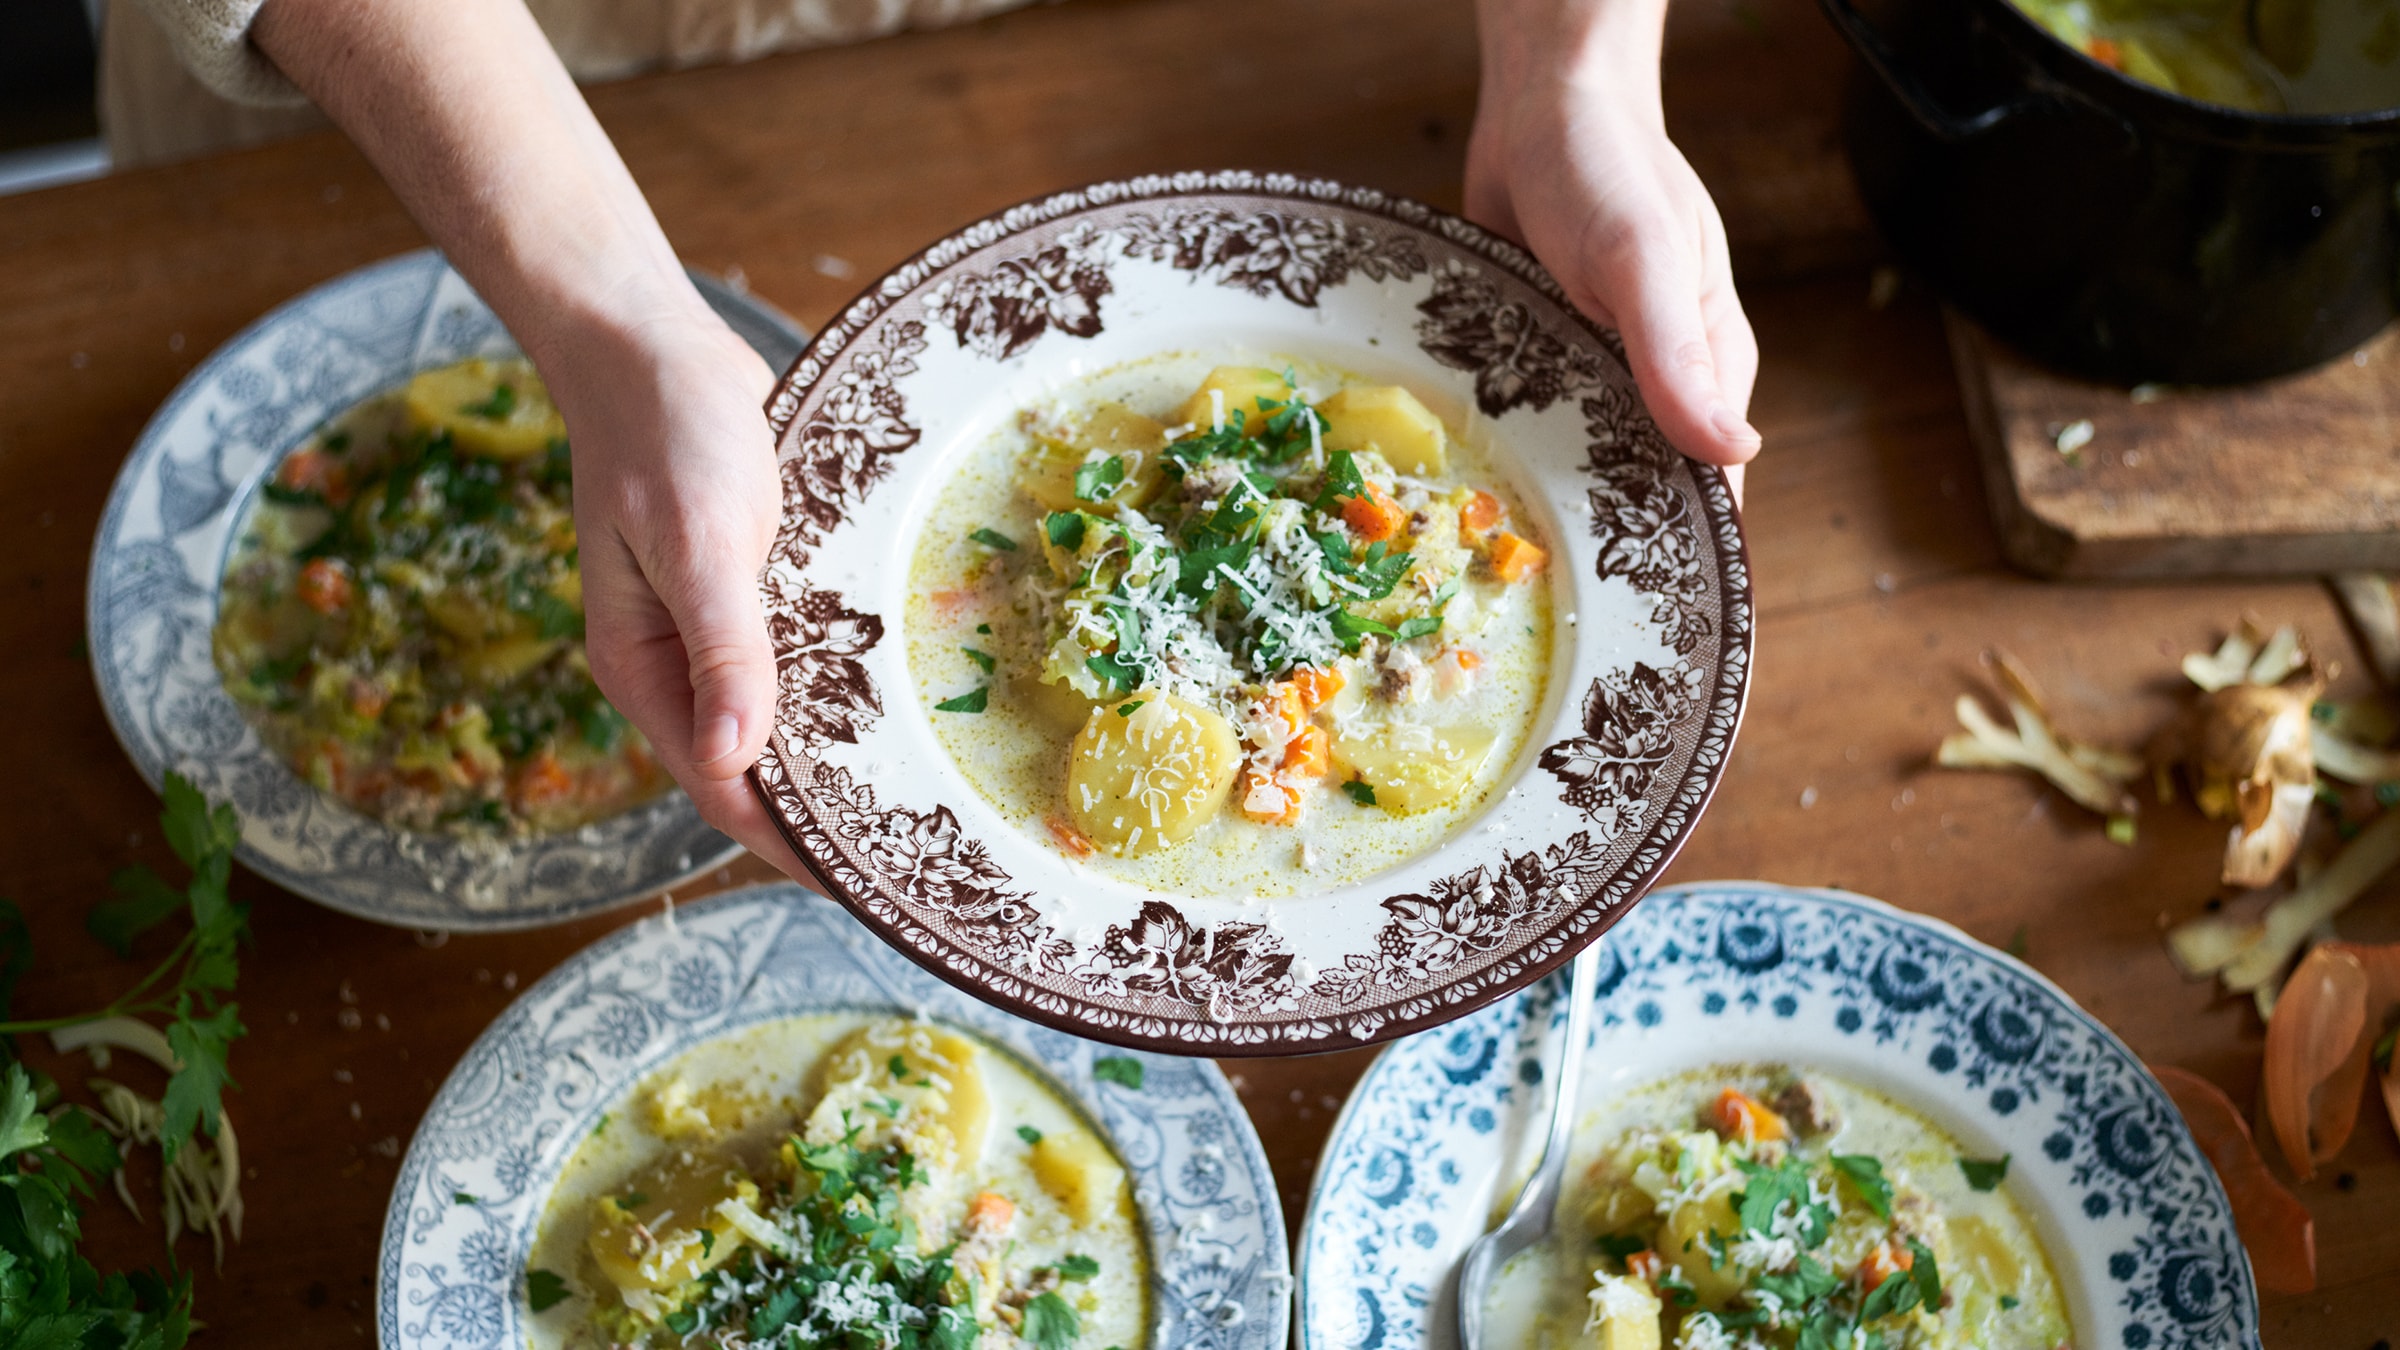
(1570,156)
(676,503)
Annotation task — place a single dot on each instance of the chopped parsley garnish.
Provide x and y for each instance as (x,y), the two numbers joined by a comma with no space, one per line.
(1125,1073)
(991,538)
(1865,1175)
(1064,528)
(1077,1268)
(984,628)
(496,408)
(1050,1322)
(1342,481)
(1128,709)
(1618,1246)
(631,1200)
(1984,1173)
(544,1290)
(1099,479)
(974,700)
(291,496)
(982,659)
(1360,791)
(461,1198)
(1029,1134)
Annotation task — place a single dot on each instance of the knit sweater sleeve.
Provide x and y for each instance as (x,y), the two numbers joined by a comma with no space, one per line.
(212,39)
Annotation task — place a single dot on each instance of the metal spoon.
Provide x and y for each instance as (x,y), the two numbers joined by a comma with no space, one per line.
(1528,1219)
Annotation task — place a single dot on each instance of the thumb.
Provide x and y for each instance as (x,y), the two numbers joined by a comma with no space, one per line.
(1657,303)
(732,669)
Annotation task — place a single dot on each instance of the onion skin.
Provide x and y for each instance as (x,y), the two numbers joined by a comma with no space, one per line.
(2276,1228)
(2317,1046)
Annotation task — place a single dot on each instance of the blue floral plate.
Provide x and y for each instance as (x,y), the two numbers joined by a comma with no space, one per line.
(173,517)
(481,1167)
(2136,1225)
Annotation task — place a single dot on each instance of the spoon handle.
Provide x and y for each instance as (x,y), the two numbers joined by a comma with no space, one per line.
(1542,1189)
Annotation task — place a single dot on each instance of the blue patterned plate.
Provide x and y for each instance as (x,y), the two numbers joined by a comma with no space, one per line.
(174,515)
(2137,1227)
(533,1086)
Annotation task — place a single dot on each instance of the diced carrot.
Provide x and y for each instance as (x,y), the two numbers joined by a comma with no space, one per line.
(325,585)
(543,781)
(1069,838)
(1514,558)
(990,1212)
(368,699)
(1888,1259)
(1372,515)
(1466,658)
(951,602)
(2107,53)
(1316,685)
(1646,1265)
(1479,515)
(1309,754)
(1736,1114)
(313,470)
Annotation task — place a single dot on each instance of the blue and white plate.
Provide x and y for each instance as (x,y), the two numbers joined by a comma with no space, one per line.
(534,1085)
(2136,1225)
(174,516)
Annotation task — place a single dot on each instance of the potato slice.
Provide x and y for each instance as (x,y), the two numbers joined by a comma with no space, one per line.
(1387,418)
(495,409)
(1059,705)
(505,659)
(1684,1241)
(1625,1314)
(1242,388)
(944,1107)
(1412,767)
(1080,1173)
(1048,472)
(647,1236)
(1147,780)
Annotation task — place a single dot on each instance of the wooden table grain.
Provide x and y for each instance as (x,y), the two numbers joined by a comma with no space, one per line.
(1879,579)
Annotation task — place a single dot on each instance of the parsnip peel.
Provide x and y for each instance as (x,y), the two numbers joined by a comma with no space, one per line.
(2093,777)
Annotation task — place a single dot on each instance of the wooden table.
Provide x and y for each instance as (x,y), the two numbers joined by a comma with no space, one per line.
(1879,578)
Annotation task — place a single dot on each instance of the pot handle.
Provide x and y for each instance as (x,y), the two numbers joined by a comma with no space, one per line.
(1929,111)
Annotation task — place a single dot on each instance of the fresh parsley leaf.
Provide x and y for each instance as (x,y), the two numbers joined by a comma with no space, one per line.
(1422,626)
(2008,1302)
(20,1128)
(980,658)
(972,701)
(195,1091)
(601,725)
(984,628)
(143,900)
(461,1198)
(632,1200)
(1121,676)
(1984,1173)
(775,1313)
(1360,791)
(1677,1286)
(898,1068)
(991,538)
(1865,1175)
(544,1290)
(1926,1272)
(1029,1134)
(1342,480)
(1064,529)
(1897,1294)
(1128,709)
(1354,629)
(1050,1322)
(1099,479)
(1805,1283)
(1077,1268)
(1117,1069)
(502,402)
(1618,1246)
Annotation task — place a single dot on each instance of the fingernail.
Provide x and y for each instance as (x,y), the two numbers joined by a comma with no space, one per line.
(716,738)
(1730,425)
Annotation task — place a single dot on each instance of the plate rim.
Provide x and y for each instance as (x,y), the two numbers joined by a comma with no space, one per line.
(1385,1060)
(149,444)
(1728,538)
(392,1239)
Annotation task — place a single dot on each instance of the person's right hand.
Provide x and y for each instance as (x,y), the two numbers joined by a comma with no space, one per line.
(676,503)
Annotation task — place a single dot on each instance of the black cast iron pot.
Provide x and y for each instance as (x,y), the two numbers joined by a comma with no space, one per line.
(2108,227)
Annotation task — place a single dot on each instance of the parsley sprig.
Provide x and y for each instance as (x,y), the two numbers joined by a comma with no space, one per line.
(52,1156)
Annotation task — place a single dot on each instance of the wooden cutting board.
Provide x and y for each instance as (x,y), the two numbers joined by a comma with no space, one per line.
(2293,476)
